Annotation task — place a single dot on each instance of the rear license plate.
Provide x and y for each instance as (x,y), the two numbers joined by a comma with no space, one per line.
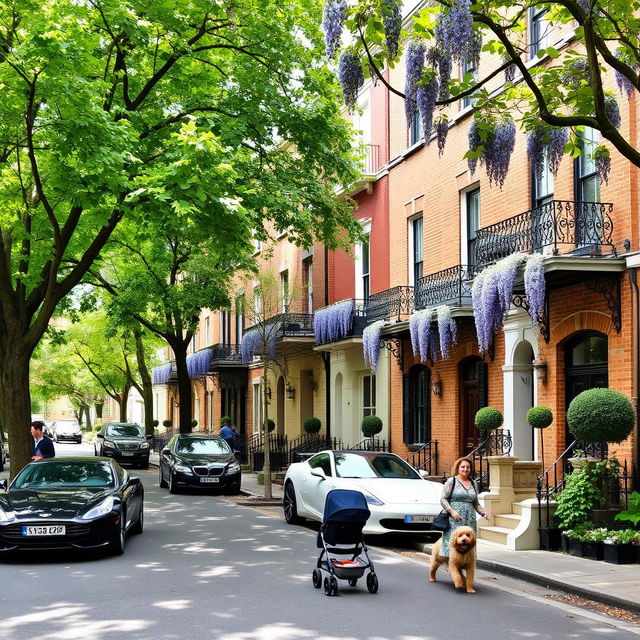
(48,530)
(209,479)
(127,453)
(418,518)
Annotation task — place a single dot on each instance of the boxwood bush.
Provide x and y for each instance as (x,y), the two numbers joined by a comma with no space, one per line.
(539,417)
(371,425)
(311,425)
(488,419)
(270,424)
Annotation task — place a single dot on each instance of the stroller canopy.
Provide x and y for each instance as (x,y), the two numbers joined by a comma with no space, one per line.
(344,505)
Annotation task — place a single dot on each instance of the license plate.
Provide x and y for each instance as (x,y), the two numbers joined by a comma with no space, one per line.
(127,453)
(418,518)
(209,479)
(47,530)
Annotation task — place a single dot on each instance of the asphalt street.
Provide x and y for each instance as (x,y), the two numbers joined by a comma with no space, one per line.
(206,567)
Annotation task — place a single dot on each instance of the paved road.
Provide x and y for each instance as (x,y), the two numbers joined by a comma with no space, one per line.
(207,568)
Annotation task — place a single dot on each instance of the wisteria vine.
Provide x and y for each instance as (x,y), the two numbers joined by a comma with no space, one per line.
(447,329)
(335,13)
(496,150)
(542,142)
(259,340)
(198,363)
(333,322)
(162,374)
(350,76)
(454,33)
(371,344)
(534,285)
(414,64)
(426,96)
(392,21)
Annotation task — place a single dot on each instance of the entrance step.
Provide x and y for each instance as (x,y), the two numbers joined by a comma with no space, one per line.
(516,508)
(495,534)
(506,520)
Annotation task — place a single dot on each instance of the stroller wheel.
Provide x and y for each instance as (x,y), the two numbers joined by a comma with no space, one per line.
(328,591)
(316,577)
(353,582)
(334,586)
(372,583)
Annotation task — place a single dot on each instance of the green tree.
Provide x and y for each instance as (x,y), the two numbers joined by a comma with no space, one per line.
(109,106)
(566,88)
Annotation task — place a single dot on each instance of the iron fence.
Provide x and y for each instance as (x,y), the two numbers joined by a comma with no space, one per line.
(390,304)
(450,286)
(426,458)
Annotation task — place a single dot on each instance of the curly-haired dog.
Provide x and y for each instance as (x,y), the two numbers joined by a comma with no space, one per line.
(462,550)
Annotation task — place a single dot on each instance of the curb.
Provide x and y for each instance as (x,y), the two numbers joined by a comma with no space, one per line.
(550,583)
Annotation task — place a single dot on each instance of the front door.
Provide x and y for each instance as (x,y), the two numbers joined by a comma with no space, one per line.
(471,399)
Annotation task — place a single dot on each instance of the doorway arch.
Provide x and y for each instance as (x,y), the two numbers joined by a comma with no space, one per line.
(522,393)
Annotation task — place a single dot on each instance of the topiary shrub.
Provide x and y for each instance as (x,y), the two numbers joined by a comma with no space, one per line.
(194,423)
(167,423)
(155,423)
(371,426)
(539,417)
(270,424)
(311,425)
(226,420)
(488,419)
(600,415)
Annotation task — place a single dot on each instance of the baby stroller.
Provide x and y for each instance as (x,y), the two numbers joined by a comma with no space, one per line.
(345,514)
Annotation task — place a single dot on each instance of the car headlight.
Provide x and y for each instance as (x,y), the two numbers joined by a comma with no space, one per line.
(183,469)
(234,467)
(108,445)
(6,516)
(144,445)
(372,499)
(101,509)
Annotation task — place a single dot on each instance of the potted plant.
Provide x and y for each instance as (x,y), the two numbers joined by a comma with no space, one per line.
(488,419)
(593,543)
(632,514)
(572,539)
(371,426)
(576,500)
(311,425)
(167,423)
(620,546)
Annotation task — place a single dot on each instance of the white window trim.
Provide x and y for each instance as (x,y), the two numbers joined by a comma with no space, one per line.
(464,248)
(359,288)
(410,221)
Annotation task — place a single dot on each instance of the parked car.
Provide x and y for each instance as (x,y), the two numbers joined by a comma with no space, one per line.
(70,503)
(124,442)
(48,429)
(194,460)
(68,430)
(399,498)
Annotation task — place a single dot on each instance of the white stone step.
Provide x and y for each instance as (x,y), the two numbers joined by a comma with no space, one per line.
(494,534)
(516,508)
(506,520)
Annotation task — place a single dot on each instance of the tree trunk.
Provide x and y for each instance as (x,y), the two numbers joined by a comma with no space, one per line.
(266,469)
(15,402)
(184,388)
(87,414)
(147,387)
(99,407)
(123,398)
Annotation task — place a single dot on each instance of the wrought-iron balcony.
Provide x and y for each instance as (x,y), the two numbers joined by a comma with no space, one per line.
(287,325)
(563,226)
(340,320)
(165,374)
(450,286)
(391,304)
(225,355)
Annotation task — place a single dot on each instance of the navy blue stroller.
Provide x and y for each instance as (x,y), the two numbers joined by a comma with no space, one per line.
(345,514)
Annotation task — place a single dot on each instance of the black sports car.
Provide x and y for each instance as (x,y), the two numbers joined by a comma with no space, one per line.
(205,462)
(124,442)
(70,503)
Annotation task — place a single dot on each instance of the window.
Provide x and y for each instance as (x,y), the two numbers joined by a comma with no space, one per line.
(588,180)
(473,223)
(468,67)
(257,408)
(417,405)
(416,249)
(225,327)
(307,279)
(192,344)
(207,332)
(284,290)
(362,266)
(543,186)
(366,285)
(368,395)
(257,245)
(239,306)
(414,129)
(321,461)
(537,30)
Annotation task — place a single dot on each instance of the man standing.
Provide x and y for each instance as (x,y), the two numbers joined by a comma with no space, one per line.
(42,445)
(227,432)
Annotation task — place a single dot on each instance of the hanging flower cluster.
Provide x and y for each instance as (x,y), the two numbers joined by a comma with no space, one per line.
(351,76)
(602,158)
(371,344)
(333,322)
(577,72)
(426,95)
(543,141)
(392,21)
(454,33)
(447,330)
(419,328)
(198,363)
(162,374)
(414,62)
(258,340)
(624,84)
(427,339)
(496,149)
(335,13)
(492,292)
(445,67)
(442,129)
(612,109)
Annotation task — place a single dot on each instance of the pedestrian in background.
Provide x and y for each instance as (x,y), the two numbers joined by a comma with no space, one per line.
(228,433)
(460,501)
(42,446)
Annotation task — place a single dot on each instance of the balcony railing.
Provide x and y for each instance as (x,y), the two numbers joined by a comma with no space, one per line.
(371,160)
(331,324)
(390,304)
(564,226)
(450,286)
(225,353)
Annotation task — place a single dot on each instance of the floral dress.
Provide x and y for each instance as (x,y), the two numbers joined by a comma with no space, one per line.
(465,502)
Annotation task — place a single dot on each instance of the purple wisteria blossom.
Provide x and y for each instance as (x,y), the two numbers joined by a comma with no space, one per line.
(506,270)
(198,363)
(474,143)
(259,340)
(162,374)
(335,13)
(602,158)
(392,21)
(333,322)
(542,142)
(498,150)
(454,31)
(419,324)
(536,148)
(555,148)
(442,129)
(426,95)
(434,342)
(414,61)
(612,110)
(483,334)
(534,285)
(351,76)
(447,329)
(576,72)
(445,66)
(371,344)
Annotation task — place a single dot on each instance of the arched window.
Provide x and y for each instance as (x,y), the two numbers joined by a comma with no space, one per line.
(417,405)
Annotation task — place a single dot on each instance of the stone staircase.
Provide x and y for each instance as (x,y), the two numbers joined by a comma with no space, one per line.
(502,525)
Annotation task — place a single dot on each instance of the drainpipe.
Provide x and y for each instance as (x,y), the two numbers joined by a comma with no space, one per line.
(326,355)
(635,363)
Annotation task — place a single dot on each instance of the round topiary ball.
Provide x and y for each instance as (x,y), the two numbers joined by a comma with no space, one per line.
(311,425)
(166,423)
(155,423)
(194,423)
(539,417)
(600,415)
(371,426)
(225,420)
(271,425)
(488,419)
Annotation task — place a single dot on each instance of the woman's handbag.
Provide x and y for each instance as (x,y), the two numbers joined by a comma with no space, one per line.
(441,522)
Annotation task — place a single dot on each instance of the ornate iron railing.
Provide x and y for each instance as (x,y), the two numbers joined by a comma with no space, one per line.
(563,225)
(309,443)
(288,324)
(371,161)
(371,444)
(426,458)
(496,443)
(390,304)
(450,286)
(221,353)
(277,451)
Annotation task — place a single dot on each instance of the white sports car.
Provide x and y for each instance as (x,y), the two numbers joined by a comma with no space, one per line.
(399,498)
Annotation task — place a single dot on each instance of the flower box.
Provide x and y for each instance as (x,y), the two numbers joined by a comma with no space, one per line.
(550,538)
(575,547)
(620,553)
(565,543)
(593,550)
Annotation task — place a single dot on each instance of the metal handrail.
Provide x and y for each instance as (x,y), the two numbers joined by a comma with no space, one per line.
(426,458)
(450,286)
(370,444)
(390,304)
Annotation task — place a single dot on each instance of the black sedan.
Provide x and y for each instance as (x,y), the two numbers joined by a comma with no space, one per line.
(124,442)
(70,503)
(204,462)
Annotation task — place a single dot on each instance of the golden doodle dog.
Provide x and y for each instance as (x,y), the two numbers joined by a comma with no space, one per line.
(462,557)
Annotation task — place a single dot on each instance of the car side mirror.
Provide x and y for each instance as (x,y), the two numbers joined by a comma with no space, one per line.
(424,474)
(166,453)
(99,435)
(133,481)
(319,473)
(3,484)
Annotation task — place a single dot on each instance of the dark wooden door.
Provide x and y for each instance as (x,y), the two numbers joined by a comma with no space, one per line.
(470,437)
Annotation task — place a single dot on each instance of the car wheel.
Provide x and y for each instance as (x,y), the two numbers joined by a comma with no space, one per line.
(289,505)
(137,528)
(172,482)
(161,481)
(120,539)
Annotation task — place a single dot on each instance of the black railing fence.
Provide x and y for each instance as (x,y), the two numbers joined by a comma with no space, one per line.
(426,458)
(225,352)
(450,286)
(390,304)
(495,443)
(370,444)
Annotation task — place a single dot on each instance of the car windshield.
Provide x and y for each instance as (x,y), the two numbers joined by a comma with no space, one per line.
(65,473)
(382,465)
(202,445)
(127,430)
(67,425)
